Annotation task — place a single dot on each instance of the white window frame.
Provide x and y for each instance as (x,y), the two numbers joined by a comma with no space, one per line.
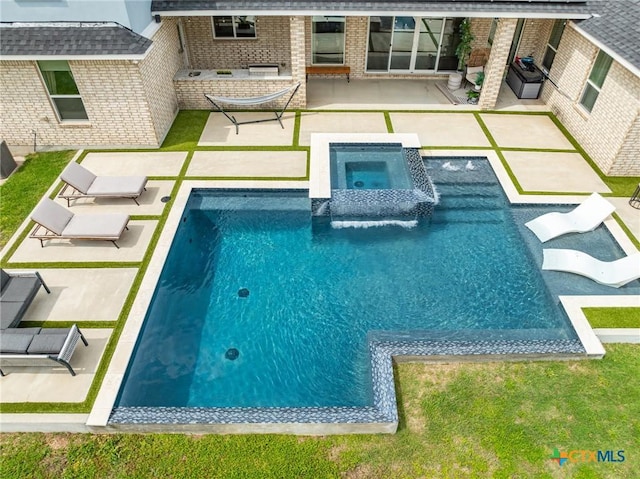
(551,47)
(55,105)
(590,84)
(234,22)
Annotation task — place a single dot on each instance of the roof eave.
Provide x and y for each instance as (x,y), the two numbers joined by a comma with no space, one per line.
(616,56)
(71,57)
(367,13)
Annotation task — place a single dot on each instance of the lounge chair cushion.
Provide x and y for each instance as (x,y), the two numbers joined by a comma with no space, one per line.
(15,343)
(117,186)
(64,331)
(4,279)
(45,343)
(96,226)
(21,288)
(31,331)
(11,313)
(52,216)
(78,177)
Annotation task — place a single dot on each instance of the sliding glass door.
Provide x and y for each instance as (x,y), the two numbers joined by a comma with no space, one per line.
(412,44)
(402,43)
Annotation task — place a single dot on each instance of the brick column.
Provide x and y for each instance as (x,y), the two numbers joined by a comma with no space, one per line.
(298,62)
(496,65)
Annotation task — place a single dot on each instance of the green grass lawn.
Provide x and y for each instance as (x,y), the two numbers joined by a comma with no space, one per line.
(22,191)
(460,420)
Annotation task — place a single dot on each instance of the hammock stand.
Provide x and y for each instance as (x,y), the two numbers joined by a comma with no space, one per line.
(256,100)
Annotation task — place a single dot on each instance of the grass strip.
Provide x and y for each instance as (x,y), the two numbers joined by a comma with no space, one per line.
(388,122)
(613,317)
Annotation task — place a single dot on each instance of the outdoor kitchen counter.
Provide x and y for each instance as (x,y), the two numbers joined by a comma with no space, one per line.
(207,75)
(190,90)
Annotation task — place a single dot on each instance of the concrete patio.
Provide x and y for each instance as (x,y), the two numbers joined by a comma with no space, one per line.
(86,294)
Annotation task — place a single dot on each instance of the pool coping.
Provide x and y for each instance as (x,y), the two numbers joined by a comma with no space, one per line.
(98,419)
(319,157)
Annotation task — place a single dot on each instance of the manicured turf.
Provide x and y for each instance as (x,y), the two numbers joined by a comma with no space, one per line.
(613,318)
(463,420)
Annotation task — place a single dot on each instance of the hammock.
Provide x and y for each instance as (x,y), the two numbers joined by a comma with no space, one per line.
(255,100)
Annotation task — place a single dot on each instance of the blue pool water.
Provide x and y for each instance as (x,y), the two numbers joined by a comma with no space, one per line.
(369,166)
(315,293)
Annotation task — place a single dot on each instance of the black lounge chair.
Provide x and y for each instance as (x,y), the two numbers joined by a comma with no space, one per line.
(17,291)
(39,346)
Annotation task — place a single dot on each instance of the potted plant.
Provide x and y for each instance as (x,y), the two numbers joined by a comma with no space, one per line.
(464,47)
(473,96)
(479,81)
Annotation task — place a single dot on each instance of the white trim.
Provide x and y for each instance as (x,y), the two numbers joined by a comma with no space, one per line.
(616,56)
(368,13)
(151,30)
(70,57)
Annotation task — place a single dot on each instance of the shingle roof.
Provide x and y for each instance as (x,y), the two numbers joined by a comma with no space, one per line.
(617,28)
(70,39)
(568,7)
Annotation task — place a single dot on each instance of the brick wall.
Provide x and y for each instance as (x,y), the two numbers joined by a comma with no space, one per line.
(271,45)
(297,41)
(496,65)
(480,28)
(190,91)
(535,35)
(113,96)
(157,71)
(609,134)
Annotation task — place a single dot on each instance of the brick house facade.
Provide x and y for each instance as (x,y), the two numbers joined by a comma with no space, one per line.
(132,102)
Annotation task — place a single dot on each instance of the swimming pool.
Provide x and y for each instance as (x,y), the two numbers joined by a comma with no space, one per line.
(302,303)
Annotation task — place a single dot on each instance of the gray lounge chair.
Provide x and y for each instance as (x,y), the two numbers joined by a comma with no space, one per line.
(81,183)
(53,221)
(39,346)
(17,291)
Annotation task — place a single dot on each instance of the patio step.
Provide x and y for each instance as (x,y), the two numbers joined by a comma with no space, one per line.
(467,215)
(469,196)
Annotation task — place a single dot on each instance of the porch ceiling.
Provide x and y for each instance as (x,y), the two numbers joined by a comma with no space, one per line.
(574,9)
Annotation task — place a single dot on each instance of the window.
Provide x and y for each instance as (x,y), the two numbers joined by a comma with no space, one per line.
(595,80)
(62,89)
(234,27)
(327,40)
(552,46)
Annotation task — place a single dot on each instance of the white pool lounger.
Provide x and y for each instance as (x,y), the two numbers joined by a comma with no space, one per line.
(610,273)
(587,216)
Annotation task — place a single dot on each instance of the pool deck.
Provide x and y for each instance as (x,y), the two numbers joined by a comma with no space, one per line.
(98,293)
